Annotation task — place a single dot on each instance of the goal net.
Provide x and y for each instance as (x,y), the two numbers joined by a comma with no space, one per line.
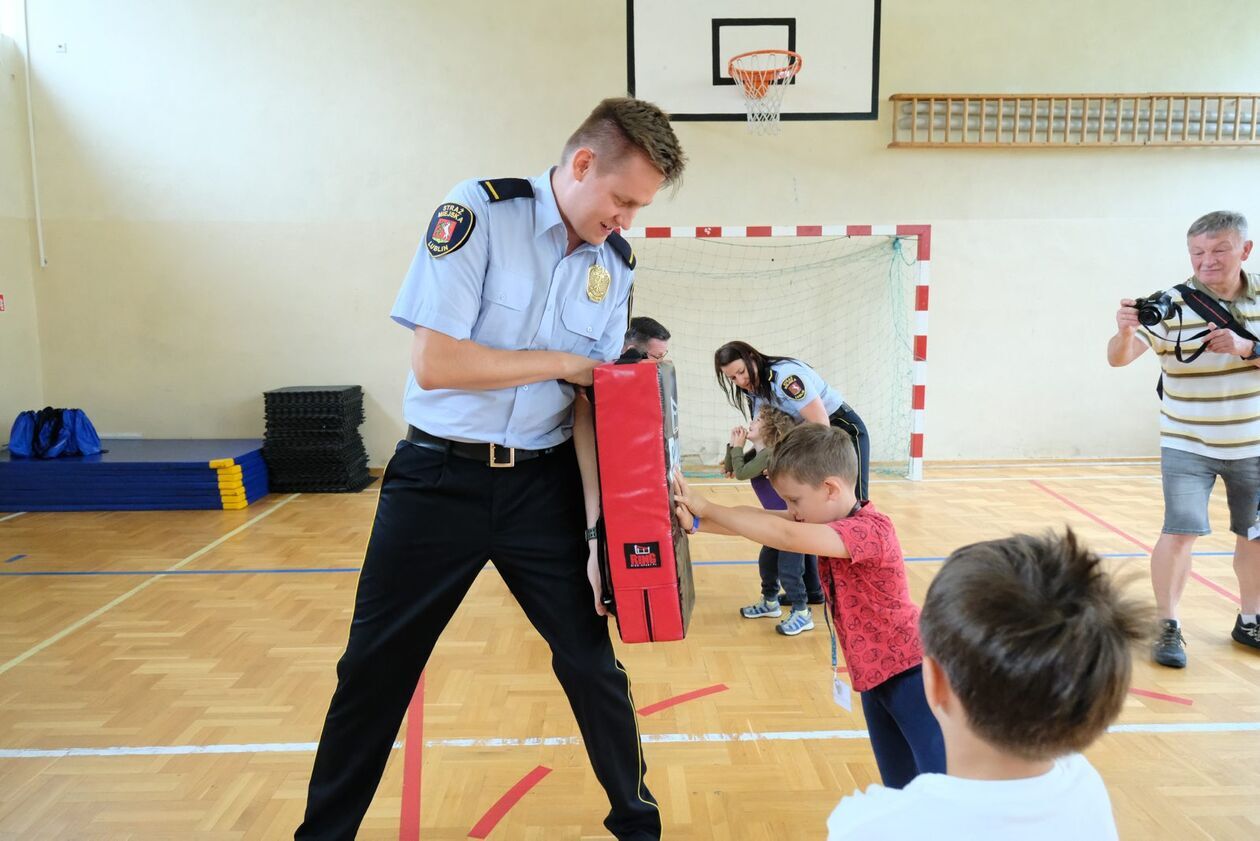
(844,305)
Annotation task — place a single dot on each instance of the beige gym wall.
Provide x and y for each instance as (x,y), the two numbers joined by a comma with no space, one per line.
(21,379)
(232,192)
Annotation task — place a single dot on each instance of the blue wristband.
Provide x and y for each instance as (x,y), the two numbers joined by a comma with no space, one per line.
(695,524)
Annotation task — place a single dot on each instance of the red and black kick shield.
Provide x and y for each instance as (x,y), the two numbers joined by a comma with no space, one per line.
(646,562)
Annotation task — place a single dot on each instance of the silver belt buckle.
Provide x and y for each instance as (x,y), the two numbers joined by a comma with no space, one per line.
(511,460)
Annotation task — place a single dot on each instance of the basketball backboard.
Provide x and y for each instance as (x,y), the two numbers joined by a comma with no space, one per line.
(677,55)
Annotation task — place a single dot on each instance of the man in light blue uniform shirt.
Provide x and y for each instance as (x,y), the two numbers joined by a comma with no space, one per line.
(520,288)
(514,288)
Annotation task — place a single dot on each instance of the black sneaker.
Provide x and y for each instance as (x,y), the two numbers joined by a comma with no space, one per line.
(1170,646)
(1246,633)
(812,598)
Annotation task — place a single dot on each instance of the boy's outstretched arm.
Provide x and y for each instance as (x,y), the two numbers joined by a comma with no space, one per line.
(775,529)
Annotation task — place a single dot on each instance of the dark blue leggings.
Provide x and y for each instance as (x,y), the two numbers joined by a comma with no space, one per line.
(905,737)
(797,573)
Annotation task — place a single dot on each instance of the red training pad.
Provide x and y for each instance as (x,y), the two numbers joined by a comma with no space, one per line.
(646,557)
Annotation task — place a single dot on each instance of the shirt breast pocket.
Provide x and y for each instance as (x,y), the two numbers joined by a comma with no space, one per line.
(504,300)
(584,323)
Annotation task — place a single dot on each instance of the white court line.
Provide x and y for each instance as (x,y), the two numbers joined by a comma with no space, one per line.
(701,483)
(65,632)
(557,741)
(1154,477)
(993,466)
(11,516)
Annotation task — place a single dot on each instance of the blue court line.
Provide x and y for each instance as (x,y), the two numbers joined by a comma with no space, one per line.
(325,570)
(648,738)
(15,558)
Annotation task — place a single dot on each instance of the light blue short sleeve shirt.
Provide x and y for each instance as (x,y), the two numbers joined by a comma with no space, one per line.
(505,282)
(794,385)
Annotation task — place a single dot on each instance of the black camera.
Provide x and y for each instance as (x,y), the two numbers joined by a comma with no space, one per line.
(1154,308)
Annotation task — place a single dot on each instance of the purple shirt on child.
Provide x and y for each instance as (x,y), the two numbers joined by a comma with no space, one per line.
(770,500)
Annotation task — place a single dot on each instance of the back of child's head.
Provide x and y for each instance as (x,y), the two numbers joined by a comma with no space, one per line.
(775,424)
(811,453)
(1035,640)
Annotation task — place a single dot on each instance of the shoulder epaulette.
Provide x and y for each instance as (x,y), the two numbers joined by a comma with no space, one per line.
(502,189)
(623,249)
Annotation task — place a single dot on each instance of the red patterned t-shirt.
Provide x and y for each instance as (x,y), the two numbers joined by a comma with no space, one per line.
(876,623)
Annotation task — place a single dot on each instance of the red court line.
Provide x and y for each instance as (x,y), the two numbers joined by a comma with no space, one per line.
(507,801)
(678,699)
(409,820)
(1160,696)
(1211,585)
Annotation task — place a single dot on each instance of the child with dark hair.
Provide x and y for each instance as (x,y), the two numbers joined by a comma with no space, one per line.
(863,575)
(1027,648)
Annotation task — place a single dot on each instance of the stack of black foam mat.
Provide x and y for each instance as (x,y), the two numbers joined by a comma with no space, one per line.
(312,442)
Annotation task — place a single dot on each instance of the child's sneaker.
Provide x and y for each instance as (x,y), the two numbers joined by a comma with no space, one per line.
(761,610)
(797,621)
(1247,633)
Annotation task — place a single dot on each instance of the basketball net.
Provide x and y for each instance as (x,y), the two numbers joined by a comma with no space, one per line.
(763,77)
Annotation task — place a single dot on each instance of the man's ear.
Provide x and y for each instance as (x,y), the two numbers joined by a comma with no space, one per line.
(582,162)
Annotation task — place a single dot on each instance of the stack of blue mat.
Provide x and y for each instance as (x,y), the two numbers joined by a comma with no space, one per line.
(138,475)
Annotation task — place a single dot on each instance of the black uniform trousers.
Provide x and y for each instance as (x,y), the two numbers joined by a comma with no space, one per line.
(846,419)
(440,518)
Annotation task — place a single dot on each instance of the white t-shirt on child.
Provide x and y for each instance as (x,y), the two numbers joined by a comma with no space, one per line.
(1069,802)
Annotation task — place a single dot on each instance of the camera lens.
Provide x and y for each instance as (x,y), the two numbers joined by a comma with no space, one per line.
(1149,314)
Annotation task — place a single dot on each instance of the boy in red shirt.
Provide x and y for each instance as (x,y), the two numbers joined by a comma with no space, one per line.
(814,468)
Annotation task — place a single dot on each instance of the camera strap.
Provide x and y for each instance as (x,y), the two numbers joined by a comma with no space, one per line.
(1210,310)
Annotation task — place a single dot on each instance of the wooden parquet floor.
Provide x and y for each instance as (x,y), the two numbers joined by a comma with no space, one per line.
(139,705)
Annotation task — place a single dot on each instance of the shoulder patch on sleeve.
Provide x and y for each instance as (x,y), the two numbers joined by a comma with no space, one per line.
(623,249)
(794,387)
(502,189)
(451,226)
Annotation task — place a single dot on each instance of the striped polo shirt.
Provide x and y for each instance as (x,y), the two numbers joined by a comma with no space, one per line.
(1211,406)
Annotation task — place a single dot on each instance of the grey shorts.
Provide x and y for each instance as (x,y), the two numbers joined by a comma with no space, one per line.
(1188,480)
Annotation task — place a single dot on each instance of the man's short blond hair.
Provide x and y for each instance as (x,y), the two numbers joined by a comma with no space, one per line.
(619,125)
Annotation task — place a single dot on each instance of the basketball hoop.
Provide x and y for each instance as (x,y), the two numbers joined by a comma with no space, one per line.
(763,76)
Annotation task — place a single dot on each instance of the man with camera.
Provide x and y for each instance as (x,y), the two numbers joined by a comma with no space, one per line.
(1204,332)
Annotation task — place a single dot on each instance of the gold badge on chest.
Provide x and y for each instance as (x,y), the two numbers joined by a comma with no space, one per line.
(597,282)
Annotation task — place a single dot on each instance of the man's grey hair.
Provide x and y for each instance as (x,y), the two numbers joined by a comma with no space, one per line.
(1219,221)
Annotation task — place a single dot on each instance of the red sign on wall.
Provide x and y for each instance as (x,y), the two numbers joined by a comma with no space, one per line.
(1,303)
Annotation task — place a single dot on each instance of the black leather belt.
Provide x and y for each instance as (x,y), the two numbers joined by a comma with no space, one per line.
(493,455)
